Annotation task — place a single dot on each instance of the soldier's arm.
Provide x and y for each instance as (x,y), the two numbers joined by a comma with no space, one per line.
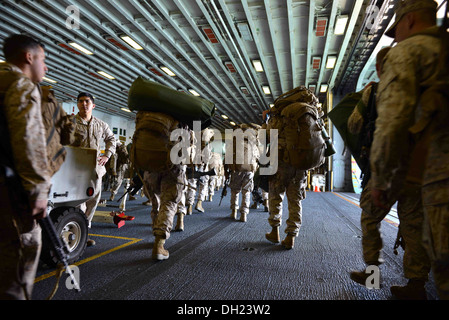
(27,134)
(109,140)
(396,104)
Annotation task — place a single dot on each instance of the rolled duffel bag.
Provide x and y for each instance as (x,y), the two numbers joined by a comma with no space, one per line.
(146,95)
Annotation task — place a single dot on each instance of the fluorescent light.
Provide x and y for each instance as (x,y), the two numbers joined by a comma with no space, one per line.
(126,109)
(49,80)
(266,89)
(194,92)
(232,122)
(442,11)
(271,105)
(131,42)
(80,48)
(331,62)
(168,71)
(340,25)
(106,75)
(224,116)
(258,65)
(323,88)
(1,61)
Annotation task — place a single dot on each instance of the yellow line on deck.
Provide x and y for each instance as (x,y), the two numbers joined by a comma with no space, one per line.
(131,241)
(356,204)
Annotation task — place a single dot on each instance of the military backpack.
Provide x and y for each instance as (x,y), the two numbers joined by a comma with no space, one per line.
(297,118)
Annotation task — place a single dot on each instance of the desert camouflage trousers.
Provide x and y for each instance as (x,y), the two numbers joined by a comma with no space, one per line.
(291,182)
(436,233)
(170,186)
(241,181)
(19,251)
(416,263)
(152,191)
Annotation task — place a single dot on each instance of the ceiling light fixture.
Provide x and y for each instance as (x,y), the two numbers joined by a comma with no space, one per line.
(224,116)
(232,122)
(323,88)
(194,92)
(168,71)
(126,109)
(131,42)
(330,64)
(106,75)
(48,79)
(340,25)
(257,65)
(266,89)
(80,48)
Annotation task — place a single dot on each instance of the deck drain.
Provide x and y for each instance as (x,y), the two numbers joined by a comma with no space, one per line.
(248,249)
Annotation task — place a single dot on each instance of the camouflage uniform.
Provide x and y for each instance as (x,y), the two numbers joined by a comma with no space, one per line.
(435,193)
(152,192)
(288,179)
(242,174)
(89,135)
(215,163)
(20,102)
(407,70)
(119,163)
(292,182)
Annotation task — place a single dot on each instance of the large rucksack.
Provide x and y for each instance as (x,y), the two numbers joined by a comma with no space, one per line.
(150,150)
(248,160)
(59,128)
(297,118)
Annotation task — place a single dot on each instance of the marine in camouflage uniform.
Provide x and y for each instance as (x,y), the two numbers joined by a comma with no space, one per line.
(203,181)
(89,134)
(119,163)
(243,169)
(407,70)
(171,184)
(24,138)
(289,181)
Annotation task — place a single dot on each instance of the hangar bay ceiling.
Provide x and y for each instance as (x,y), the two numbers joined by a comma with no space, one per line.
(241,55)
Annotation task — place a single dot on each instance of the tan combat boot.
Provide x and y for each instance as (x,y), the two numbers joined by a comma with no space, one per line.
(189,209)
(210,198)
(265,204)
(234,214)
(289,242)
(199,206)
(180,222)
(159,252)
(273,236)
(242,217)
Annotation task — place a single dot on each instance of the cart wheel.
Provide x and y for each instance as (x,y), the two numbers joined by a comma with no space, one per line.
(72,226)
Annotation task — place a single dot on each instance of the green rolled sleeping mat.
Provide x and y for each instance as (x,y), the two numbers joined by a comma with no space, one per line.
(339,116)
(146,95)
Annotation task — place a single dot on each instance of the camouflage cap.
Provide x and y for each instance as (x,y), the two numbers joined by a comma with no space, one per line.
(403,7)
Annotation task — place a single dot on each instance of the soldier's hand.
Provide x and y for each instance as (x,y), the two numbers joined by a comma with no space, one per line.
(39,209)
(102,160)
(379,198)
